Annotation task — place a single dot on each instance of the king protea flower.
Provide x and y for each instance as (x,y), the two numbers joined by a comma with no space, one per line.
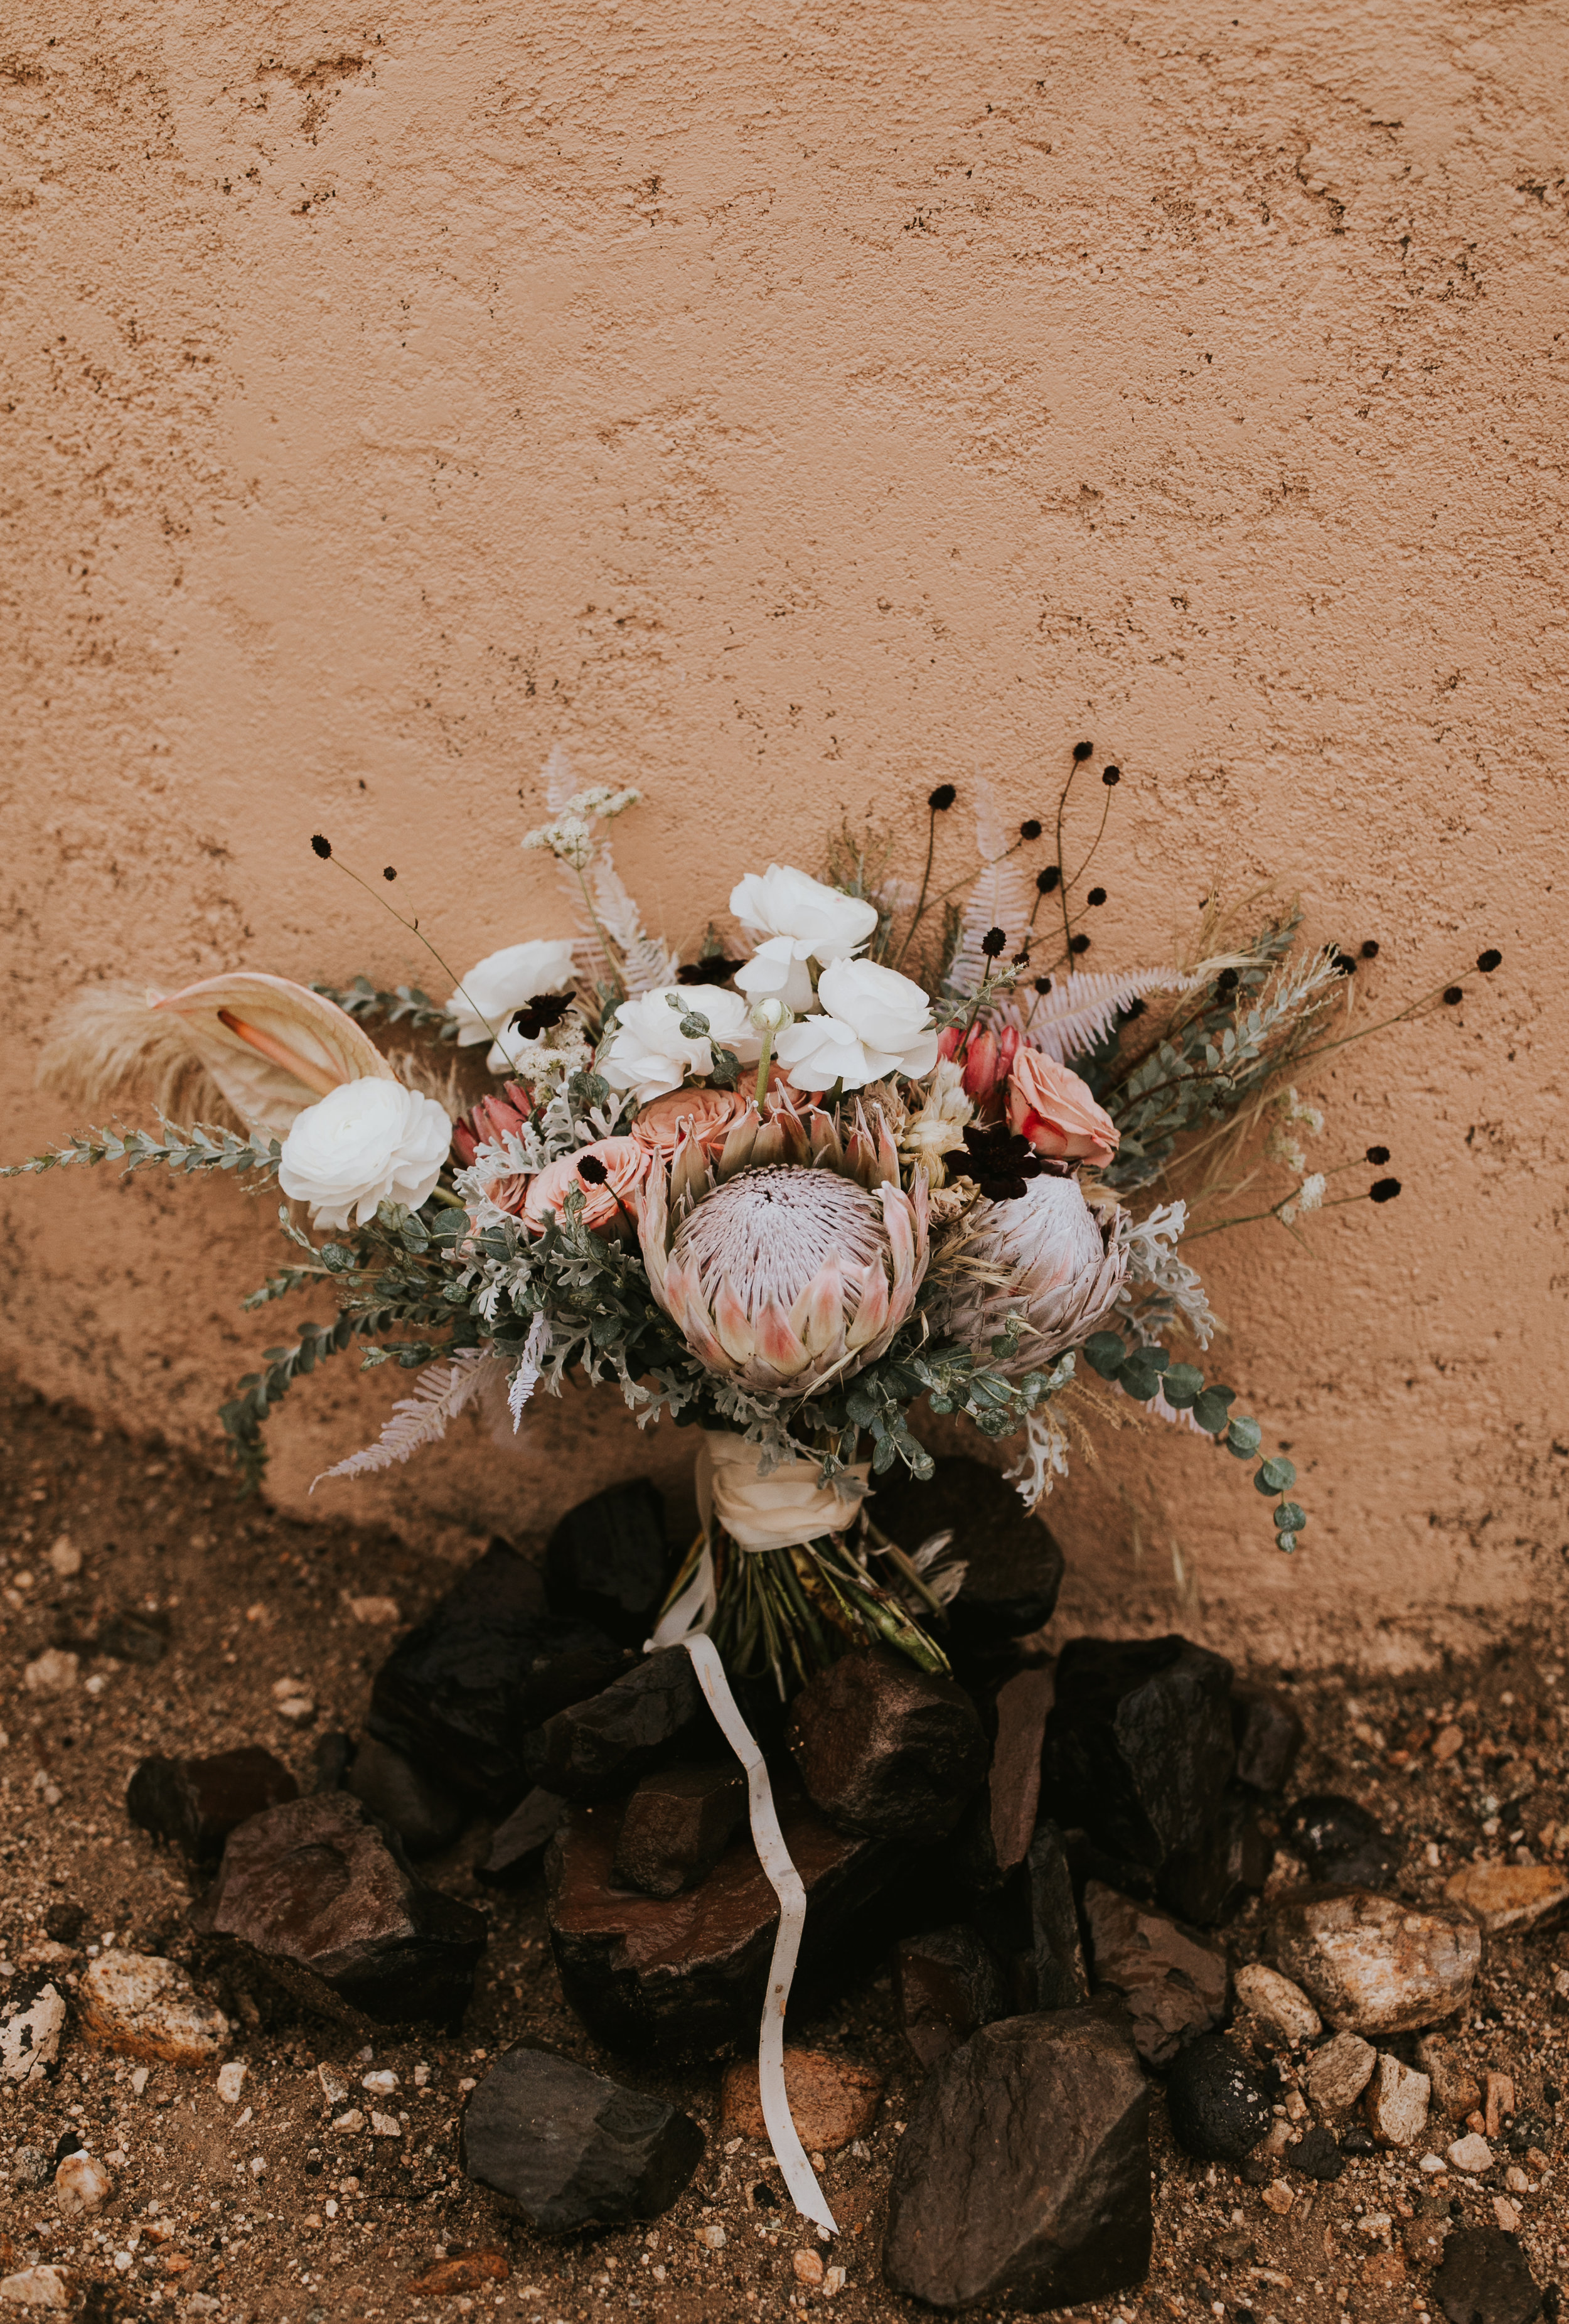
(780,1275)
(1043,1255)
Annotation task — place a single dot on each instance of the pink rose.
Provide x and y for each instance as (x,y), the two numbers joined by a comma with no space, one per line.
(608,1186)
(1053,1109)
(708,1115)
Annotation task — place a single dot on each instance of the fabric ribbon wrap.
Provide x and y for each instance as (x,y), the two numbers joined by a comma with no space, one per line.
(784,1510)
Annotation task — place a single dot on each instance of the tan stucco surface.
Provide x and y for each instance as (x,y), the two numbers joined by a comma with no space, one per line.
(788,409)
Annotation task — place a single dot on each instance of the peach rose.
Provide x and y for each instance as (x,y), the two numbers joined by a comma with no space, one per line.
(1053,1109)
(708,1115)
(609,1204)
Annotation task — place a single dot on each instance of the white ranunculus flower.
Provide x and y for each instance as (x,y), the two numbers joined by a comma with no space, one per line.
(501,984)
(888,1013)
(649,1053)
(818,1051)
(821,924)
(779,972)
(366,1142)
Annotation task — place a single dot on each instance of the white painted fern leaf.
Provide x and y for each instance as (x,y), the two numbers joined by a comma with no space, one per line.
(646,962)
(422,1418)
(1081,1010)
(1000,897)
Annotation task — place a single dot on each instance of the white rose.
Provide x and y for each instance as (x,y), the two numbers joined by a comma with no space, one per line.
(777,972)
(501,984)
(366,1142)
(820,924)
(649,1053)
(889,1014)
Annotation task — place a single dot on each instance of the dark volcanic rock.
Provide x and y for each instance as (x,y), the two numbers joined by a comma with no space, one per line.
(571,2149)
(1061,1981)
(606,1561)
(424,1814)
(687,1972)
(1268,1735)
(329,1906)
(1317,2155)
(885,1748)
(948,1984)
(1012,1796)
(1217,2102)
(600,1746)
(1024,2179)
(1138,1746)
(131,1635)
(518,1846)
(1211,1881)
(676,1826)
(1486,2279)
(458,1696)
(197,1802)
(1172,1982)
(1012,1566)
(1339,1842)
(332,1756)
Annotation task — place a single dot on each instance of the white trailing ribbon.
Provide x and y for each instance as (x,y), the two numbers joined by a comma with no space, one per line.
(782,1511)
(790,1889)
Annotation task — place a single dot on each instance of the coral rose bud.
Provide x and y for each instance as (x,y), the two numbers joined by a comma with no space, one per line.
(1052,1108)
(610,1202)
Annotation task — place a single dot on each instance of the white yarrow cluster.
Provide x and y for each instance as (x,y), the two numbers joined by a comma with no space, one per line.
(366,1142)
(569,834)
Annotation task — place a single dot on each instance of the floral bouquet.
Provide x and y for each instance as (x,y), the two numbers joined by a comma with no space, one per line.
(892,1154)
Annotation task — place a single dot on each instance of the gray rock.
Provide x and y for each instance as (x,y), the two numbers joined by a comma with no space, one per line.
(1024,2179)
(32,2167)
(885,1748)
(1172,1982)
(571,2148)
(1373,1965)
(1012,1567)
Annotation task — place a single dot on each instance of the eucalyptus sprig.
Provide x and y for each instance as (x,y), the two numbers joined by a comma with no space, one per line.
(1143,1371)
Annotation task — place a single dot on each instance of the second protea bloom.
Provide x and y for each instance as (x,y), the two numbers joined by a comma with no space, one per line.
(1045,1256)
(780,1275)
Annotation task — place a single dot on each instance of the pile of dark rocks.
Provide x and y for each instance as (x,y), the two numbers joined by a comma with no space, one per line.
(1048,1851)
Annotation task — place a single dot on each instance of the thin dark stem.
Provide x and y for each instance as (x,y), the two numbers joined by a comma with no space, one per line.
(1106,810)
(415,930)
(1062,872)
(925,883)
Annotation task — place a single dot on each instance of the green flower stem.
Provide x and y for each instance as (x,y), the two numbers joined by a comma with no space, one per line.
(766,1052)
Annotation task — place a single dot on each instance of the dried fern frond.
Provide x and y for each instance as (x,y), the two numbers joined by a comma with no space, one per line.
(1081,1010)
(109,1044)
(422,1418)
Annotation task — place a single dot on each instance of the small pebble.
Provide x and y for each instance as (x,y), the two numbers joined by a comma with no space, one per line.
(1472,2153)
(231,2082)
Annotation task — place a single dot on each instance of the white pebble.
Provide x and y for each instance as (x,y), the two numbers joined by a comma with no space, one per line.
(382,2082)
(231,2082)
(385,2125)
(139,2075)
(258,2165)
(65,1557)
(353,2120)
(54,1673)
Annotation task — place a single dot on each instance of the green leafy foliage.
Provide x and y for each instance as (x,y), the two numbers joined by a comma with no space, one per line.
(405,1004)
(201,1148)
(1140,1370)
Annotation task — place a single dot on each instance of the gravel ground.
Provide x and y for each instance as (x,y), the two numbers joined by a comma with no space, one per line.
(258,2209)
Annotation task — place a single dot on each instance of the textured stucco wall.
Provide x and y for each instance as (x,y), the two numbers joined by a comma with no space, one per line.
(789,408)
